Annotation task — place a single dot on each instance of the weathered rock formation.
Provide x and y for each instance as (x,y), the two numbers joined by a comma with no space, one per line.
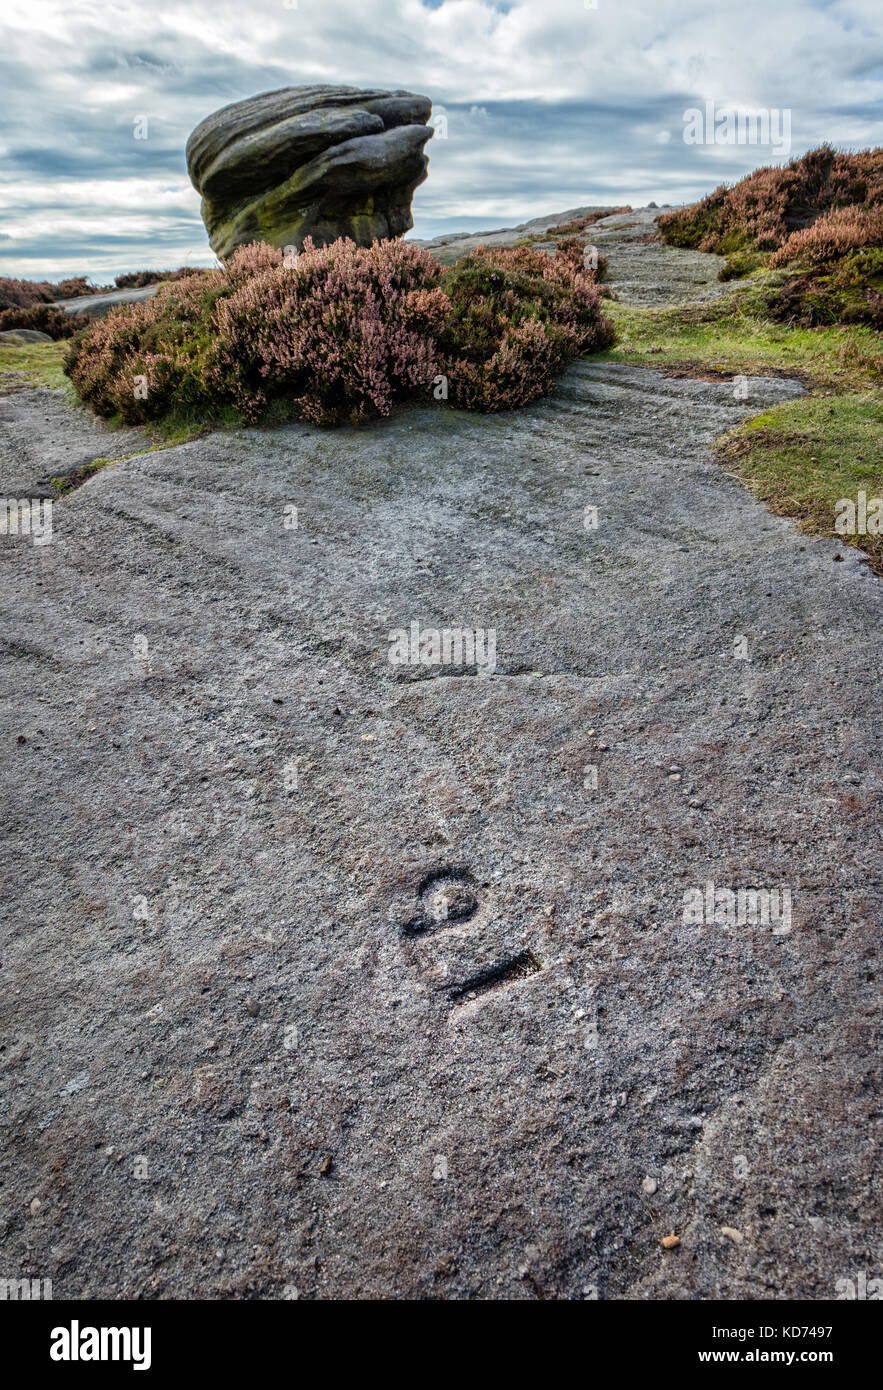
(314,161)
(17,337)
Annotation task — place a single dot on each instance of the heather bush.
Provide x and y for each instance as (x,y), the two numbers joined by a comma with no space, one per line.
(22,294)
(816,213)
(29,304)
(16,294)
(839,260)
(340,333)
(832,237)
(161,341)
(43,317)
(518,316)
(574,252)
(844,291)
(75,288)
(138,279)
(762,210)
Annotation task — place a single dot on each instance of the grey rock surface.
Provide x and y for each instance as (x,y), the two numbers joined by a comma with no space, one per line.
(649,272)
(320,161)
(14,337)
(44,436)
(643,270)
(97,305)
(450,246)
(329,977)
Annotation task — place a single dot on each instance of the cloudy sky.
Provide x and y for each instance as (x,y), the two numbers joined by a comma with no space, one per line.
(549,104)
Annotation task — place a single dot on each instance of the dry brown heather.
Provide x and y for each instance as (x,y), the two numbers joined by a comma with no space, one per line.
(833,236)
(22,294)
(765,208)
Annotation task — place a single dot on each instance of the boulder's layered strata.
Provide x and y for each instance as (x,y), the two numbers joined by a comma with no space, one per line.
(319,161)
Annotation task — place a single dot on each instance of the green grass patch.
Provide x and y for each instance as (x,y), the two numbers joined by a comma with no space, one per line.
(730,335)
(33,364)
(742,263)
(802,457)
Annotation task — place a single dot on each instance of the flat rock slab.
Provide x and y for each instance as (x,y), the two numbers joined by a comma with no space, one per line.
(44,436)
(233,1070)
(648,272)
(643,270)
(97,305)
(450,246)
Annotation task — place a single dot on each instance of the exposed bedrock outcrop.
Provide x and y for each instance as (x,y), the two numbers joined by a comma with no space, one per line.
(320,161)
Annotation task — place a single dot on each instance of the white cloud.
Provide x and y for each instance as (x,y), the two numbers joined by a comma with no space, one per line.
(549,104)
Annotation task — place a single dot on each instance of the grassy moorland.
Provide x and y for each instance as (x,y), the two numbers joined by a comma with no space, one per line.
(805,455)
(805,249)
(33,364)
(819,218)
